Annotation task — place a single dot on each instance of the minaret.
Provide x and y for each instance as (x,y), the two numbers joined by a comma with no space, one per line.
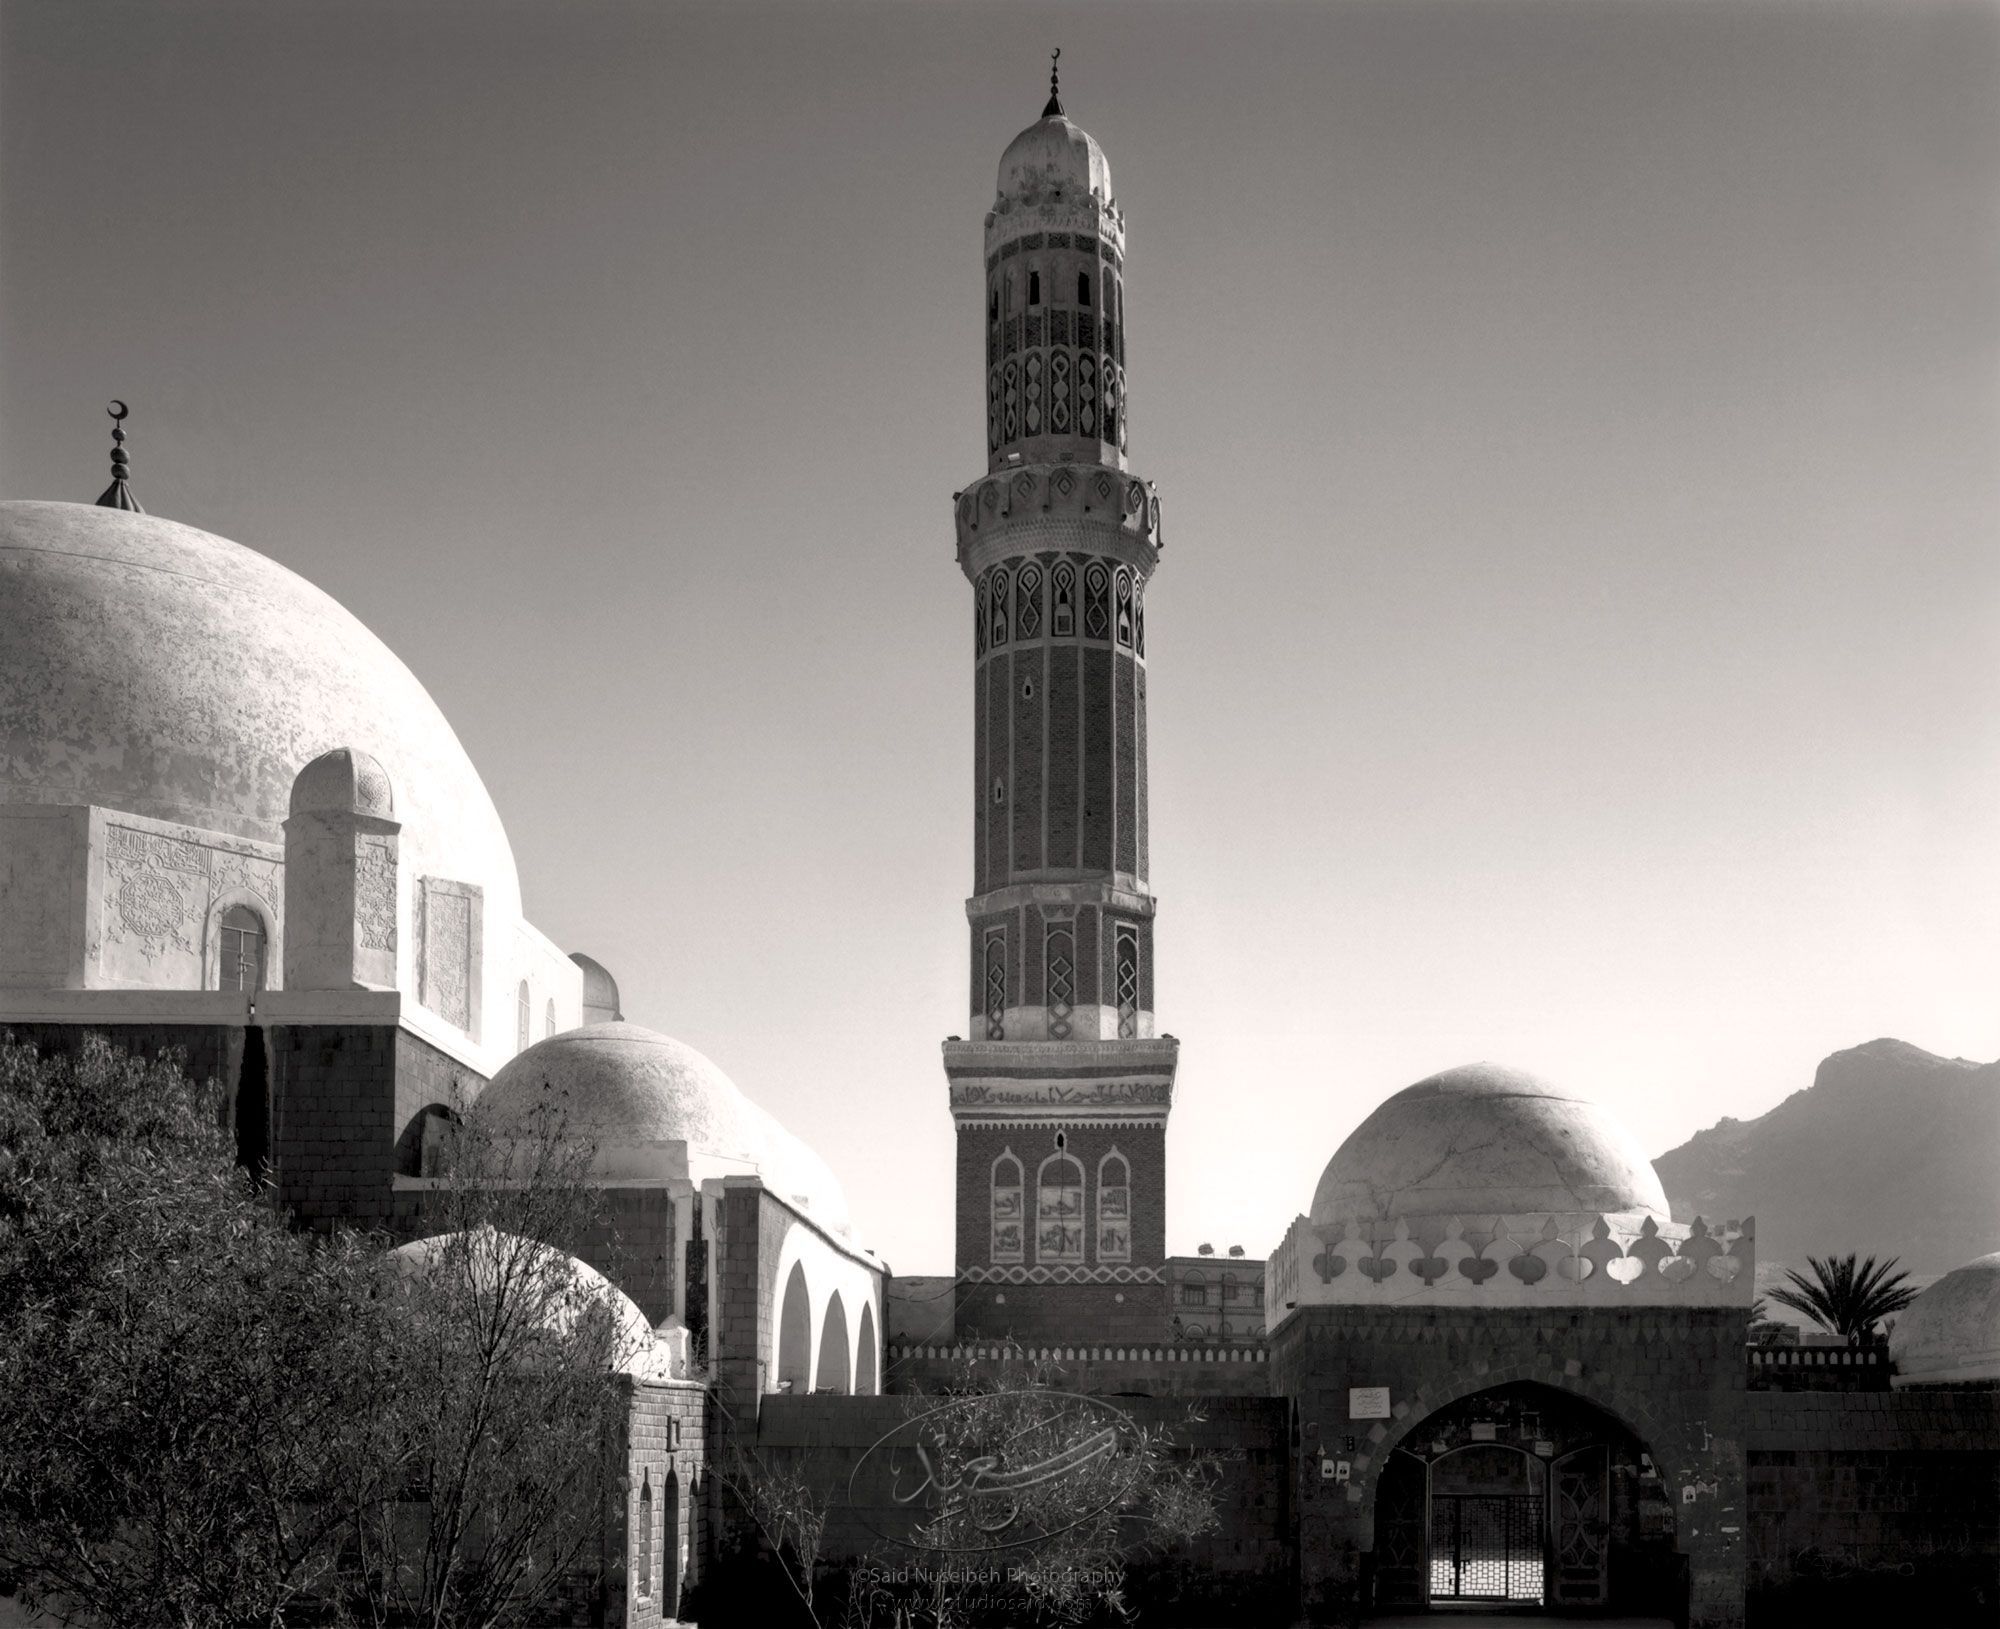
(1060,1094)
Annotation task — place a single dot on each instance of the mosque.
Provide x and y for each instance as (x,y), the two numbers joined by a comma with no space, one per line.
(1489,1368)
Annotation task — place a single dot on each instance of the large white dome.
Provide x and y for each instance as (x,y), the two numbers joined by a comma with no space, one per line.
(152,668)
(1951,1332)
(1481,1140)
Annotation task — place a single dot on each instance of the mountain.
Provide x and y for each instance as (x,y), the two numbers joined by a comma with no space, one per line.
(1890,1152)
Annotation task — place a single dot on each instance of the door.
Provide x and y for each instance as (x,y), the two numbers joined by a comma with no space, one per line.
(1399,1531)
(1486,1526)
(1581,1540)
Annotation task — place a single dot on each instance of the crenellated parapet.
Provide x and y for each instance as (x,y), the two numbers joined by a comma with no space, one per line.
(1031,507)
(1575,1259)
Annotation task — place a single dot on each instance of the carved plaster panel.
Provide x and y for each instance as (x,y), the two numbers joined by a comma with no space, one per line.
(162,888)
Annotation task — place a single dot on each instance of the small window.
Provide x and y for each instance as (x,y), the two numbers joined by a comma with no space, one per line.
(646,1535)
(239,962)
(993,306)
(549,1019)
(523,1007)
(1194,1293)
(1083,288)
(1034,288)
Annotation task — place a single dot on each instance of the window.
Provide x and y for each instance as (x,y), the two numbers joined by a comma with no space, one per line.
(1062,588)
(1059,1209)
(549,1019)
(1114,1208)
(1059,950)
(646,1535)
(1034,288)
(1083,288)
(523,1006)
(996,985)
(998,606)
(239,960)
(1194,1293)
(1124,606)
(1128,980)
(993,306)
(1007,1214)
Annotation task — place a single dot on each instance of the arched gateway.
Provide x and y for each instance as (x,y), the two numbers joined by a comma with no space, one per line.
(1524,1495)
(1517,1381)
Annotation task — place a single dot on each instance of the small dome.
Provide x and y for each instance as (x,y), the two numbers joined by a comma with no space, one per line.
(1952,1330)
(1053,154)
(600,991)
(627,1089)
(1486,1141)
(347,780)
(485,1254)
(623,1084)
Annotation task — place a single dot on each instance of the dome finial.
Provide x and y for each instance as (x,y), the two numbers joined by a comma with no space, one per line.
(118,495)
(1055,108)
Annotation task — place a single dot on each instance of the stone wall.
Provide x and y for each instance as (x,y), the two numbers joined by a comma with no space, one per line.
(1879,1503)
(665,1473)
(1672,1377)
(1240,1573)
(208,1051)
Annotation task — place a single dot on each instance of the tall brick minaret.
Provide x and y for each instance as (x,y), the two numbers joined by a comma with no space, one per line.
(1061,1091)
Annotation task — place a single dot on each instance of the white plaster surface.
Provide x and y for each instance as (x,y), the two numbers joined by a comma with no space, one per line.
(1486,1140)
(1052,153)
(1952,1330)
(655,1107)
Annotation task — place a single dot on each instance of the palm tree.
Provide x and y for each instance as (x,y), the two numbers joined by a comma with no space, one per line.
(1845,1299)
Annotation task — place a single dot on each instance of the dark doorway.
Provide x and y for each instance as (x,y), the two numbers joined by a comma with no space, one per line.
(253,1105)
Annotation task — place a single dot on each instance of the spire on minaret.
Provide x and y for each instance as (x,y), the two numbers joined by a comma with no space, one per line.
(118,495)
(1055,108)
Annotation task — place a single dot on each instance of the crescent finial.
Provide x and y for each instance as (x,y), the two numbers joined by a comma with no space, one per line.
(117,409)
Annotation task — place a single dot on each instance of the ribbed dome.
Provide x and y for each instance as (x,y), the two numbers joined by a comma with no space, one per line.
(1053,154)
(1952,1330)
(625,1087)
(152,668)
(488,1258)
(1481,1140)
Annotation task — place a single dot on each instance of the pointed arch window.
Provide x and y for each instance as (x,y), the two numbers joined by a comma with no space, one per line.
(996,984)
(1062,590)
(646,1534)
(1060,950)
(1034,288)
(1124,606)
(1028,601)
(549,1018)
(1009,1215)
(1096,601)
(1114,1208)
(1127,965)
(239,961)
(1059,1209)
(1083,288)
(523,1006)
(997,607)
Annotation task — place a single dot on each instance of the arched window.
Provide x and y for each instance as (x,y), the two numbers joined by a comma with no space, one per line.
(865,1368)
(996,985)
(1194,1289)
(1114,1208)
(1124,606)
(1062,589)
(1083,288)
(239,961)
(1096,601)
(1128,980)
(1007,1214)
(523,1006)
(997,605)
(1028,601)
(645,1568)
(670,1578)
(1034,288)
(549,1018)
(1059,951)
(1059,1209)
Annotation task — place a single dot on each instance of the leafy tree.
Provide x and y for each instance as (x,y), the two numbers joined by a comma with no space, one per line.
(1846,1299)
(479,1493)
(177,1367)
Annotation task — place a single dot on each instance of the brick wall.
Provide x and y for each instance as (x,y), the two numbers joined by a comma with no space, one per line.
(209,1051)
(632,1243)
(665,1469)
(1151,1371)
(1880,1503)
(1672,1377)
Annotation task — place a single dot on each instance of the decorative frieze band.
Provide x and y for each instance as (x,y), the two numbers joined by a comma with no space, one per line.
(1065,1275)
(1512,1261)
(1082,1354)
(1064,492)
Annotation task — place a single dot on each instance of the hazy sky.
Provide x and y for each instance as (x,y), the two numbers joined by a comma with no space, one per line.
(1576,425)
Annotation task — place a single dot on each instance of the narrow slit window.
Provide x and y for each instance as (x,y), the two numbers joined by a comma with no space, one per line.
(1083,288)
(1034,288)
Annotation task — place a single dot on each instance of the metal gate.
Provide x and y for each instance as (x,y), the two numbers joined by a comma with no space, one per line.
(1486,1547)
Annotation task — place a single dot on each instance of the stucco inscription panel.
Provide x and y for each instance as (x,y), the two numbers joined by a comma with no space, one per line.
(375,893)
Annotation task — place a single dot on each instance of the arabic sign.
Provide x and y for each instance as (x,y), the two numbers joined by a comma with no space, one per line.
(1368,1402)
(997,1471)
